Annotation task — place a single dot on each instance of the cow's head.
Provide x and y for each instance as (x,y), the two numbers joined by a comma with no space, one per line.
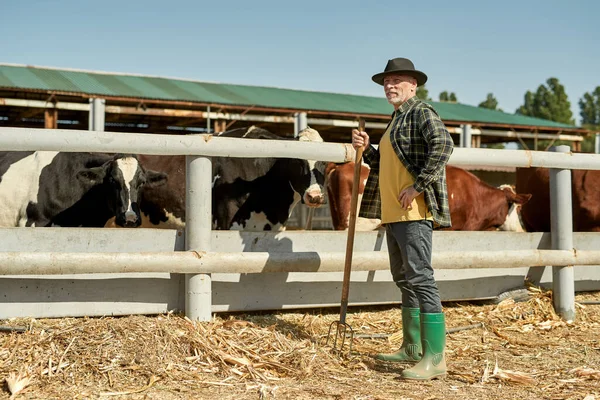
(513,220)
(310,182)
(340,179)
(123,178)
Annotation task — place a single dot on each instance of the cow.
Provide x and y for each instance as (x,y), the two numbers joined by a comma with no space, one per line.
(339,192)
(474,205)
(477,206)
(585,191)
(252,194)
(48,188)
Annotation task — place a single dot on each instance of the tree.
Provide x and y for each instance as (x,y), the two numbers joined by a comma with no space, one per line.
(423,93)
(589,144)
(589,106)
(449,97)
(490,102)
(589,110)
(549,102)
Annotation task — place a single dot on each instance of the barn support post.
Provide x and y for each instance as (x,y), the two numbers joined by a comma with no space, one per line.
(207,119)
(597,143)
(97,111)
(561,222)
(198,287)
(465,137)
(300,123)
(51,118)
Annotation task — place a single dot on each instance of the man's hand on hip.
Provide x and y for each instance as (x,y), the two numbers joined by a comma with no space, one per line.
(407,196)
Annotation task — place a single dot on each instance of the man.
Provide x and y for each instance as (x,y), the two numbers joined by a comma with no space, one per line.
(406,188)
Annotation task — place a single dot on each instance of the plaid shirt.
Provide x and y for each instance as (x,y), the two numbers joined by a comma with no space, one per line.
(423,145)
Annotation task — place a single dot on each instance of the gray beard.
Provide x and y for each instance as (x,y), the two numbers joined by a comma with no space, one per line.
(396,101)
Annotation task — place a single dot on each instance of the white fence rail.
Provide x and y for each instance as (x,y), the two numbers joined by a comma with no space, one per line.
(524,158)
(26,139)
(199,148)
(192,262)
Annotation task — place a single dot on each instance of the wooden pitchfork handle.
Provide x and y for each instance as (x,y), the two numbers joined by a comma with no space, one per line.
(351,228)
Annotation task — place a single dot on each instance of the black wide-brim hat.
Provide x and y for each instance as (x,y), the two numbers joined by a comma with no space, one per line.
(400,66)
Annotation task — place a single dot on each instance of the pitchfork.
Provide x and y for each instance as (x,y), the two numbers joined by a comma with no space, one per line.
(342,328)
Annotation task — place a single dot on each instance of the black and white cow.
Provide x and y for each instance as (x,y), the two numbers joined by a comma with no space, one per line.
(47,188)
(248,193)
(260,194)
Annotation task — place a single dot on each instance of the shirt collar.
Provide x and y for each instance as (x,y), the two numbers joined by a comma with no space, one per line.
(407,104)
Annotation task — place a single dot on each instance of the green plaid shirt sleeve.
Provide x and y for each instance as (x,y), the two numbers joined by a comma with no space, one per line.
(440,146)
(370,206)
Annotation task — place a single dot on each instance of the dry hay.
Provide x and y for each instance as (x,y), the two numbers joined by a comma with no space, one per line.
(516,350)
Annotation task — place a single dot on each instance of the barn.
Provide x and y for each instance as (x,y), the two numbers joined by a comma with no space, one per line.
(60,98)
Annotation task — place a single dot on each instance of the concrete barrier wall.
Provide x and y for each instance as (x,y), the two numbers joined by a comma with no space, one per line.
(120,294)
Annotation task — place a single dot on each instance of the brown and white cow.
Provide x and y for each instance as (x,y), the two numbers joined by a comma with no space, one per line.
(474,205)
(477,206)
(339,191)
(253,194)
(585,186)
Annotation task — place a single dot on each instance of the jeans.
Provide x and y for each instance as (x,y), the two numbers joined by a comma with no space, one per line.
(409,247)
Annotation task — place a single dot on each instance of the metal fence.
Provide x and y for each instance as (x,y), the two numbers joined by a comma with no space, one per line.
(198,263)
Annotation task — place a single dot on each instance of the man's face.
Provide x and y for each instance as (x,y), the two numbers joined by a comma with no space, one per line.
(399,88)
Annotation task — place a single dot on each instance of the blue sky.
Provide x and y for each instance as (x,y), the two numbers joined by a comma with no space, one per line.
(468,47)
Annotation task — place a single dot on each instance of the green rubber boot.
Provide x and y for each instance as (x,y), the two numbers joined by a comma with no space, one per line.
(410,351)
(433,363)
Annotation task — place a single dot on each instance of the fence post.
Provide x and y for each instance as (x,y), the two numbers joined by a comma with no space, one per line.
(561,222)
(198,287)
(597,143)
(96,119)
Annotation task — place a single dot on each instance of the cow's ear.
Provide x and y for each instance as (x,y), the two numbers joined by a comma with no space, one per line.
(154,178)
(92,176)
(523,198)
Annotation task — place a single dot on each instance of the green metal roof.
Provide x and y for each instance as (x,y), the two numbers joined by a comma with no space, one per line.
(157,88)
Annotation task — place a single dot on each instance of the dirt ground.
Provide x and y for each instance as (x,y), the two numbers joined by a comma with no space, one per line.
(512,351)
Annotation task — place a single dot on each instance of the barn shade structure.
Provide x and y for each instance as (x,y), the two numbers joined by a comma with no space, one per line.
(62,98)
